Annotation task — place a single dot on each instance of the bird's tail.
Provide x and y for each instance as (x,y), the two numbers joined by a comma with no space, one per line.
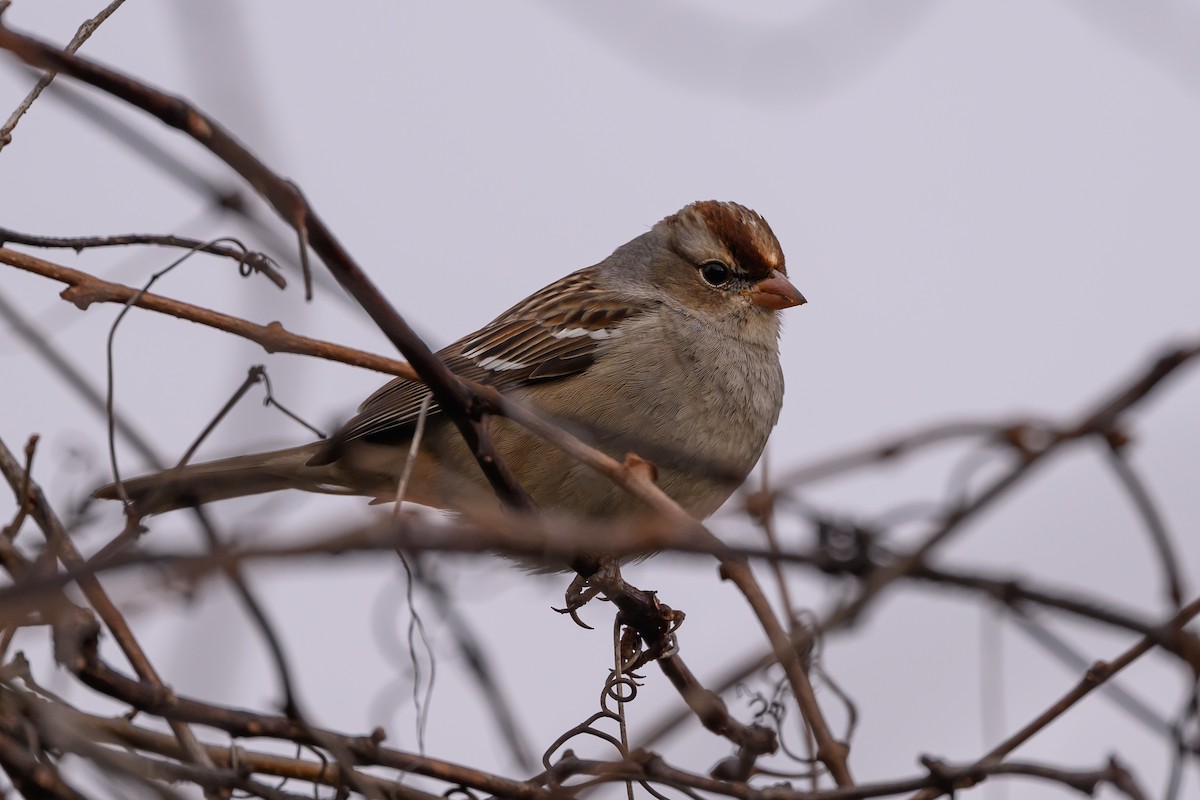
(225,479)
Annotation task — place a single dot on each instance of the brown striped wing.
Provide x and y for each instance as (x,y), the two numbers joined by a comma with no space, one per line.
(550,335)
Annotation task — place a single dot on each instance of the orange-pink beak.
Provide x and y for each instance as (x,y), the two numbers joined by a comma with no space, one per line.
(776,292)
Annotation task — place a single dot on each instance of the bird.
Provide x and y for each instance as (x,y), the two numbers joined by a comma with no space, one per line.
(668,348)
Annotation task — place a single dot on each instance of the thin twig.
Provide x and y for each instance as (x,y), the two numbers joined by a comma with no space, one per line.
(1160,538)
(1097,676)
(54,357)
(85,289)
(1034,445)
(477,661)
(1076,662)
(246,258)
(81,35)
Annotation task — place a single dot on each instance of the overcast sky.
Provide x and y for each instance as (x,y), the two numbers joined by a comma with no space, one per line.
(991,207)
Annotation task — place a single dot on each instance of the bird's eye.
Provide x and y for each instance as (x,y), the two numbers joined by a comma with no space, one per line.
(715,273)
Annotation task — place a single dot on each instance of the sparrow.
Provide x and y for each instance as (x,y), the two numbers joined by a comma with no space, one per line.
(668,348)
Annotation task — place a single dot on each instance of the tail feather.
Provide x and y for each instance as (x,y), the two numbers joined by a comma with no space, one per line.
(227,478)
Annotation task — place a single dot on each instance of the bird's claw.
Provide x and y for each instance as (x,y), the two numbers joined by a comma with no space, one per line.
(580,591)
(585,587)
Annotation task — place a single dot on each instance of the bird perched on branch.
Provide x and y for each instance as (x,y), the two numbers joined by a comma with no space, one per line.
(668,348)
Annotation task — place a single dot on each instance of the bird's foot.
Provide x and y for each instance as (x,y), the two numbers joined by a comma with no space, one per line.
(584,587)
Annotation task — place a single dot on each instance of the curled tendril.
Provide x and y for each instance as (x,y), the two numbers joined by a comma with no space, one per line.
(459,793)
(620,688)
(253,261)
(585,728)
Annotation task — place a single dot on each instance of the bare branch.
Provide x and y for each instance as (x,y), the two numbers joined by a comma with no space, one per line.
(85,289)
(1100,672)
(64,548)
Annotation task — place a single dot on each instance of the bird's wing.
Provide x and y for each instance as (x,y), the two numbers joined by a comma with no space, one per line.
(555,333)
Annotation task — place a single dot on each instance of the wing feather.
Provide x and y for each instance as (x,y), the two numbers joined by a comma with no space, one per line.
(550,335)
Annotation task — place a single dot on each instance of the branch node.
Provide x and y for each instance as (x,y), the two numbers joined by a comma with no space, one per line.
(641,468)
(79,296)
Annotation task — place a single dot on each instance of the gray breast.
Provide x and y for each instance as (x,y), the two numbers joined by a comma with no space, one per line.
(706,400)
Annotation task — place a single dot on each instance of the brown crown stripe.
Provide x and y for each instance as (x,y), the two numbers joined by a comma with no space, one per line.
(746,235)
